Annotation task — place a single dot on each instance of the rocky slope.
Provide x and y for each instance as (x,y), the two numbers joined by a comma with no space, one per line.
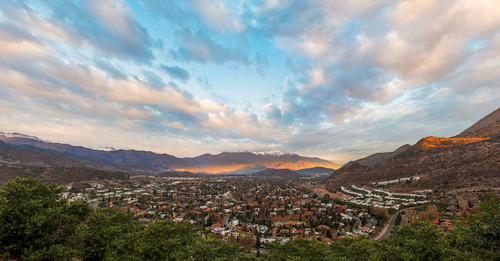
(378,158)
(487,121)
(470,160)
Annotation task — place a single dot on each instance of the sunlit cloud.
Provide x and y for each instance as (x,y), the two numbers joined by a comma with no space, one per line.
(334,79)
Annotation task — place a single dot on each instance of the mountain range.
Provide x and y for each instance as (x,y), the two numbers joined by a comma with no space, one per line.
(149,162)
(470,160)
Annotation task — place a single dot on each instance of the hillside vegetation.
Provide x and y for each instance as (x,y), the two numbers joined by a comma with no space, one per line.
(59,175)
(470,160)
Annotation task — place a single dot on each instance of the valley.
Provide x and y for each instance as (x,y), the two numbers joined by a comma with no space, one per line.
(254,200)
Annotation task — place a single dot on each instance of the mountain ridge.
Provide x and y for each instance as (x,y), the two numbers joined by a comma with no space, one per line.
(468,160)
(146,161)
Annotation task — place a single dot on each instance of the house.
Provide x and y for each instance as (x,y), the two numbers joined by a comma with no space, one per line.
(262,229)
(327,240)
(446,225)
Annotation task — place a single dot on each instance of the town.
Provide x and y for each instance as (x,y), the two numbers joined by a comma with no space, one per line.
(240,209)
(233,208)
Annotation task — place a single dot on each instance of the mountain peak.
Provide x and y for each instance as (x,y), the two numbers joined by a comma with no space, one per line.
(225,162)
(484,122)
(20,135)
(468,160)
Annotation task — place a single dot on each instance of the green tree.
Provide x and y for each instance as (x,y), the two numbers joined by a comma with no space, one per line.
(166,240)
(482,233)
(420,240)
(108,234)
(353,249)
(35,222)
(214,249)
(298,249)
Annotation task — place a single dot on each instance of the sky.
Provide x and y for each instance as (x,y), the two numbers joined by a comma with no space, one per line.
(333,79)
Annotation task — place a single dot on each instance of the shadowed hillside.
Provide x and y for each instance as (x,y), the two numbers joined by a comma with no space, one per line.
(278,173)
(470,160)
(145,161)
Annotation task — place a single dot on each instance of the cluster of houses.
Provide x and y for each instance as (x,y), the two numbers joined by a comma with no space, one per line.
(463,204)
(395,181)
(383,198)
(232,207)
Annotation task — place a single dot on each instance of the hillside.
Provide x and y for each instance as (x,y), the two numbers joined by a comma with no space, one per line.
(177,174)
(116,159)
(441,163)
(59,175)
(15,162)
(488,120)
(278,173)
(12,155)
(246,162)
(315,171)
(145,161)
(380,157)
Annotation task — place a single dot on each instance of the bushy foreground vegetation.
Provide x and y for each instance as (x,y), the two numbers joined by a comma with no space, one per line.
(37,224)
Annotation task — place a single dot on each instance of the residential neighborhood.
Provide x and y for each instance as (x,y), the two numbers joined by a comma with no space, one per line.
(233,208)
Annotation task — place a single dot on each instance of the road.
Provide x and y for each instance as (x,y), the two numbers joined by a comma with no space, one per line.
(225,223)
(386,230)
(404,220)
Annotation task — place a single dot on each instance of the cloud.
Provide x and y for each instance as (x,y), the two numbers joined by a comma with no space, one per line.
(370,51)
(203,80)
(218,16)
(199,47)
(333,79)
(170,11)
(176,72)
(109,27)
(94,93)
(110,69)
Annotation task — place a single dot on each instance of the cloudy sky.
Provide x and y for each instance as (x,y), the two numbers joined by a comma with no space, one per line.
(335,79)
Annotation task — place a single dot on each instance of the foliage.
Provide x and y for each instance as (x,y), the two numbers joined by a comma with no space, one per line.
(35,222)
(353,249)
(482,234)
(379,212)
(421,241)
(398,220)
(107,234)
(298,249)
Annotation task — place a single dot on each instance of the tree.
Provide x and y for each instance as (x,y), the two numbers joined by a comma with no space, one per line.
(35,221)
(213,249)
(166,240)
(257,244)
(298,249)
(481,234)
(420,241)
(108,233)
(353,249)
